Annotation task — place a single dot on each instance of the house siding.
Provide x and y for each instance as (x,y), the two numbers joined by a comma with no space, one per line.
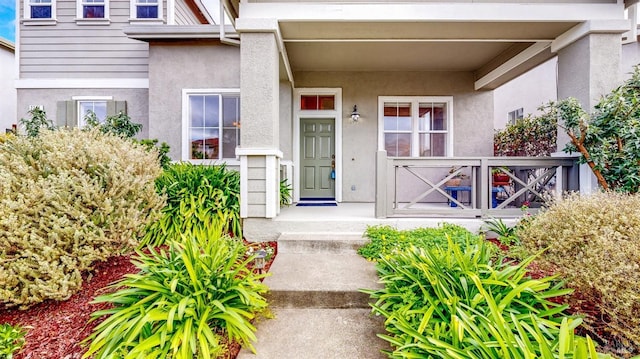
(136,102)
(71,50)
(184,15)
(178,65)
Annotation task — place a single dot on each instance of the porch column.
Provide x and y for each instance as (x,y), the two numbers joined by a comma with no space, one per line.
(589,68)
(259,97)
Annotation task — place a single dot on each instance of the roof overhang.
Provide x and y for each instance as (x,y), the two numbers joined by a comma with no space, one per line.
(496,42)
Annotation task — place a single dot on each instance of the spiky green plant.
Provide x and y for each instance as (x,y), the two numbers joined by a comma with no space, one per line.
(181,300)
(195,194)
(11,340)
(453,302)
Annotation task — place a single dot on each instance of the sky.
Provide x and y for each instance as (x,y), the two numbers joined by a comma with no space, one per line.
(7,19)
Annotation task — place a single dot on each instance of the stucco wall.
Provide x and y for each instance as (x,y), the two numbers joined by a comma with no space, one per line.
(7,89)
(528,91)
(137,102)
(472,111)
(173,66)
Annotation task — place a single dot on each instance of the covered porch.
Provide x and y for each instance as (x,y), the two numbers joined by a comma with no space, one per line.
(421,75)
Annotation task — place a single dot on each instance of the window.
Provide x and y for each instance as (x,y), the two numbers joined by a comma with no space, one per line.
(317,102)
(93,9)
(211,125)
(146,9)
(97,107)
(516,115)
(415,126)
(39,9)
(71,113)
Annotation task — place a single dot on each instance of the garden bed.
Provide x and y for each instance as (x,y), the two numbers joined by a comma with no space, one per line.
(56,328)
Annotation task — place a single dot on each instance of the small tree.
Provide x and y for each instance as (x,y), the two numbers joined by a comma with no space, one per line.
(609,139)
(37,122)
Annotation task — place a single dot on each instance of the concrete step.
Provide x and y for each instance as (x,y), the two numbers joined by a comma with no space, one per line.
(320,280)
(319,334)
(319,243)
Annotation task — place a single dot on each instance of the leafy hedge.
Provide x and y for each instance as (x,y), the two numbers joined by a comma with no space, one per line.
(196,194)
(530,136)
(594,242)
(68,199)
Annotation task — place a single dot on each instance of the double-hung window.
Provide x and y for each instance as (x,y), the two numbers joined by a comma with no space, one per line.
(211,124)
(93,9)
(40,9)
(415,126)
(146,9)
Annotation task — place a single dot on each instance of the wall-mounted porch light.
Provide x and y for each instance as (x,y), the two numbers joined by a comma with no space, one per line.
(355,115)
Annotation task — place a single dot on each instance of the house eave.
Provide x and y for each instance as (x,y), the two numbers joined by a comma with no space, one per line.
(177,32)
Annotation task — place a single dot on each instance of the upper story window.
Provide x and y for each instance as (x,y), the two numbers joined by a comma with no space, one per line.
(211,124)
(415,126)
(146,9)
(92,9)
(40,9)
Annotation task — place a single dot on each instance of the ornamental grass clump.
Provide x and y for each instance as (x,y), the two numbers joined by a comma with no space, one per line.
(594,243)
(453,301)
(182,301)
(67,200)
(211,191)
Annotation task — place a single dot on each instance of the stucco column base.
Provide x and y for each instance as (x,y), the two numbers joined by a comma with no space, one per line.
(259,182)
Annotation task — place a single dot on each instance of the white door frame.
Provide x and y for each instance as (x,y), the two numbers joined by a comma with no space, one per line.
(336,114)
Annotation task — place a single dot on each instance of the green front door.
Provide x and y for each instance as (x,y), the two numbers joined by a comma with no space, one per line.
(317,158)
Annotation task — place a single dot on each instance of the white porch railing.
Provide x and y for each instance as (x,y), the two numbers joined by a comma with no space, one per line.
(414,187)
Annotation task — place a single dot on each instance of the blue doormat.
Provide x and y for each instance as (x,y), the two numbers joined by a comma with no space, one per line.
(316,204)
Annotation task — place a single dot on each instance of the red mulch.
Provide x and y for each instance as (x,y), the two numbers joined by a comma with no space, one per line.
(56,328)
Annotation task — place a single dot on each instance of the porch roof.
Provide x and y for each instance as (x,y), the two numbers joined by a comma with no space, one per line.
(495,41)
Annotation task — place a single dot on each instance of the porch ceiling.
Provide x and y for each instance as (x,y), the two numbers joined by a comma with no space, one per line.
(479,47)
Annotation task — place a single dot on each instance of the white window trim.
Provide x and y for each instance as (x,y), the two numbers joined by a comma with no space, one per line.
(92,21)
(46,21)
(133,13)
(336,113)
(415,100)
(186,123)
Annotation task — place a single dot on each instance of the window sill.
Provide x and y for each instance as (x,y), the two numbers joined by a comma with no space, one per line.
(39,22)
(134,21)
(93,22)
(226,161)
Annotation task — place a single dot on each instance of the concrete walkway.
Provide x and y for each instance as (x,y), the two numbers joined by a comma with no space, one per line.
(319,312)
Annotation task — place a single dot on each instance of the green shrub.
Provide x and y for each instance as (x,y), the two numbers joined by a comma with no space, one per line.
(385,240)
(68,199)
(594,242)
(453,302)
(285,193)
(181,299)
(11,340)
(37,122)
(210,191)
(119,125)
(530,136)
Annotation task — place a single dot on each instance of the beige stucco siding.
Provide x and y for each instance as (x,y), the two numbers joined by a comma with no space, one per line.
(137,102)
(175,66)
(74,50)
(472,112)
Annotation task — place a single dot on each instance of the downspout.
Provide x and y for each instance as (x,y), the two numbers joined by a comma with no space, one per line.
(223,38)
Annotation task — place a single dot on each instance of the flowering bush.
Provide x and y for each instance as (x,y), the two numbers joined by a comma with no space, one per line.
(68,199)
(531,136)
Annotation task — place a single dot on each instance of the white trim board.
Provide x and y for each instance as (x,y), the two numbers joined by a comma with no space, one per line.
(82,83)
